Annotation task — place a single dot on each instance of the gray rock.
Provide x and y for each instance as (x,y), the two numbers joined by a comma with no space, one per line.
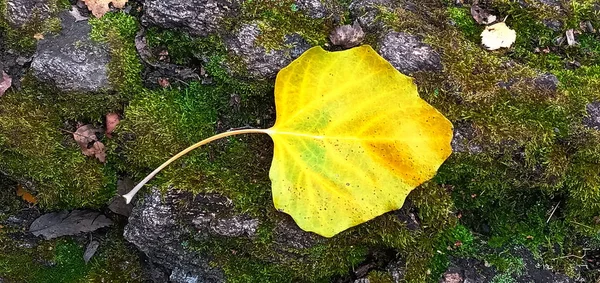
(71,60)
(318,9)
(183,276)
(21,12)
(196,17)
(546,82)
(593,118)
(64,223)
(213,215)
(472,270)
(408,54)
(553,24)
(154,227)
(260,62)
(551,3)
(366,12)
(288,235)
(397,269)
(462,141)
(159,225)
(347,36)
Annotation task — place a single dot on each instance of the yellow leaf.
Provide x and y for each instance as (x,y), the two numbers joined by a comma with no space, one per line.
(352,139)
(497,36)
(100,7)
(25,195)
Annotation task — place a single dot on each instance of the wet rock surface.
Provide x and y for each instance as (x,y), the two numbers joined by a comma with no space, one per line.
(21,12)
(318,9)
(408,54)
(462,141)
(260,62)
(154,228)
(366,12)
(546,82)
(71,60)
(195,17)
(159,225)
(593,118)
(471,270)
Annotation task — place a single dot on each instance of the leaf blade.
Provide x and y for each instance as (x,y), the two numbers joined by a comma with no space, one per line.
(341,158)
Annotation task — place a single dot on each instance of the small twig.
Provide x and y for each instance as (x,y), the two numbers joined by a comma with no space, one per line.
(574,222)
(569,256)
(552,213)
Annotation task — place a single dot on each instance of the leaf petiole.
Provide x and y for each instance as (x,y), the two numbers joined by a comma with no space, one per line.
(129,196)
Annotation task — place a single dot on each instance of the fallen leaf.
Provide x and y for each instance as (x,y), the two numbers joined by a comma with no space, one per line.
(497,36)
(76,14)
(350,144)
(38,36)
(90,250)
(25,195)
(347,36)
(352,138)
(112,120)
(164,82)
(5,83)
(86,137)
(482,16)
(58,224)
(100,7)
(570,37)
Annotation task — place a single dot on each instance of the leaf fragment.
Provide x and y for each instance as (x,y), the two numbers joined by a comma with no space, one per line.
(25,195)
(497,36)
(5,83)
(481,15)
(100,7)
(64,223)
(86,138)
(112,120)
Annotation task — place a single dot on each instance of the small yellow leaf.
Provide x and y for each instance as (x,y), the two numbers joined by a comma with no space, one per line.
(25,195)
(352,139)
(100,7)
(497,36)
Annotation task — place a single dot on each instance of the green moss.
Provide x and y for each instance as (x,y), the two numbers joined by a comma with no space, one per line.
(503,278)
(37,147)
(276,19)
(379,277)
(464,21)
(119,30)
(61,260)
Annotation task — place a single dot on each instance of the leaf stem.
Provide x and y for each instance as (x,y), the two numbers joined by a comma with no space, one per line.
(129,196)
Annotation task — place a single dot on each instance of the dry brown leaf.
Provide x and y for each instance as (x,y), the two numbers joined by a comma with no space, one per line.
(164,82)
(86,137)
(112,120)
(25,195)
(100,7)
(5,83)
(38,36)
(481,15)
